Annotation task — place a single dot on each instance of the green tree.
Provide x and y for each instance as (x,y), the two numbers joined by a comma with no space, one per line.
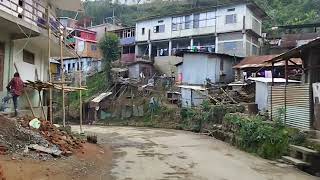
(110,49)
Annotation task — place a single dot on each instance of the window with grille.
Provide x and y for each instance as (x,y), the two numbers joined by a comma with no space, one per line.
(231,19)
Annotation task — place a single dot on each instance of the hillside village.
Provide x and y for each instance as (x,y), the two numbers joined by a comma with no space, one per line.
(203,93)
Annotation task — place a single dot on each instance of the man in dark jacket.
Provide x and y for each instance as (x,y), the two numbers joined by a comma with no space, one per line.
(15,87)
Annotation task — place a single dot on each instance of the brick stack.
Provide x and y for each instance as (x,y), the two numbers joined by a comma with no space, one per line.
(66,142)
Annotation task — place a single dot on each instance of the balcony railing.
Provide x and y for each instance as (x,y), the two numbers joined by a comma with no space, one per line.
(35,13)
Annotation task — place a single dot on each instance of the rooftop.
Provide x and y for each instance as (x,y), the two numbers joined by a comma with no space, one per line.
(262,61)
(251,4)
(269,80)
(181,53)
(296,52)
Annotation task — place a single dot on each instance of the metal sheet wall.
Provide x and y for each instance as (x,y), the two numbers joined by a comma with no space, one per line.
(295,101)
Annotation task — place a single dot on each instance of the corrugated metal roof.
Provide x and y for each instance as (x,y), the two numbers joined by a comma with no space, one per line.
(295,52)
(269,80)
(197,88)
(262,61)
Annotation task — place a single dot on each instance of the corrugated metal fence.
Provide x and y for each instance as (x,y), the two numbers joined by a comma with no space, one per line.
(294,103)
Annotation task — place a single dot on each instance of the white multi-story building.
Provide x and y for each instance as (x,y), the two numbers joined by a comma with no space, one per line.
(137,2)
(232,28)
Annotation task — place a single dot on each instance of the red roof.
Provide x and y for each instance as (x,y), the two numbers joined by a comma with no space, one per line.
(261,61)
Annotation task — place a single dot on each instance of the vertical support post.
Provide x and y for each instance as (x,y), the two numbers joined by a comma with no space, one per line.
(136,51)
(170,47)
(49,67)
(80,93)
(286,71)
(191,43)
(62,38)
(271,93)
(216,44)
(150,50)
(285,90)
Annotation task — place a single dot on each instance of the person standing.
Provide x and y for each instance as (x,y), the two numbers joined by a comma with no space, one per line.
(15,87)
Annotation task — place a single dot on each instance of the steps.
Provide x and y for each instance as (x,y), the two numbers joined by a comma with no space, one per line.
(295,161)
(304,158)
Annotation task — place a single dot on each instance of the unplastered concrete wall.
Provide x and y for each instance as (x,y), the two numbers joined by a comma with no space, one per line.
(4,38)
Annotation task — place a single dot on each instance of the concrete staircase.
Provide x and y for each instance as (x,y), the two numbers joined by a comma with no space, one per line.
(304,158)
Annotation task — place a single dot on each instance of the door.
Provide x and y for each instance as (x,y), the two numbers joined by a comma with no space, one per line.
(2,52)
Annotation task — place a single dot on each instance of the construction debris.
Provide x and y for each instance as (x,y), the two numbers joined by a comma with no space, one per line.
(54,151)
(17,136)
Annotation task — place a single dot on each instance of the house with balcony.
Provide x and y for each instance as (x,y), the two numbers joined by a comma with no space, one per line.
(24,39)
(231,28)
(84,42)
(127,43)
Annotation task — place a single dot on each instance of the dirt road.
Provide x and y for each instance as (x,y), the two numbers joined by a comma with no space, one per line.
(157,154)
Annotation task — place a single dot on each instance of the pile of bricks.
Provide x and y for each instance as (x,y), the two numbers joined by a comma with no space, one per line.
(66,142)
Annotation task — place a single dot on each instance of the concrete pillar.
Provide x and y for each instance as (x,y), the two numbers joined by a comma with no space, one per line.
(216,45)
(150,50)
(191,42)
(170,47)
(136,49)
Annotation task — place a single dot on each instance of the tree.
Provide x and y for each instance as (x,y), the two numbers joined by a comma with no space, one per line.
(110,49)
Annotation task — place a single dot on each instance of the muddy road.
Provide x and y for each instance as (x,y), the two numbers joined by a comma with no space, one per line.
(157,154)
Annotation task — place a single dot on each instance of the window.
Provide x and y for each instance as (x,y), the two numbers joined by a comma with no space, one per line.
(230,46)
(196,19)
(255,50)
(143,31)
(188,22)
(159,29)
(203,19)
(231,9)
(211,19)
(231,19)
(161,21)
(28,57)
(93,47)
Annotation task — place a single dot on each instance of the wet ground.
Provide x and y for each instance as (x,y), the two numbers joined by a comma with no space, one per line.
(157,154)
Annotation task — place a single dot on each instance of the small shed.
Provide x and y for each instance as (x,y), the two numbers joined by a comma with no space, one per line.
(141,69)
(192,96)
(198,67)
(262,90)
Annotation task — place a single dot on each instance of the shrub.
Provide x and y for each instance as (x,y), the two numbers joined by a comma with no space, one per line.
(268,140)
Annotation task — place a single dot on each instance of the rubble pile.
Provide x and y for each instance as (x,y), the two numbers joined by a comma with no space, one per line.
(17,137)
(64,141)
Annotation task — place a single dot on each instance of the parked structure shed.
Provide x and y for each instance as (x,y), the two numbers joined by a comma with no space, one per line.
(141,69)
(300,96)
(256,66)
(197,67)
(192,95)
(262,95)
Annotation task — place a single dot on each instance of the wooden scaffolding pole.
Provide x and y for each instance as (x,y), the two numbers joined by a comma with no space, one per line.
(62,38)
(49,68)
(80,93)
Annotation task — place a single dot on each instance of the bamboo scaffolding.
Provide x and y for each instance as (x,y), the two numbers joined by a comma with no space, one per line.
(49,67)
